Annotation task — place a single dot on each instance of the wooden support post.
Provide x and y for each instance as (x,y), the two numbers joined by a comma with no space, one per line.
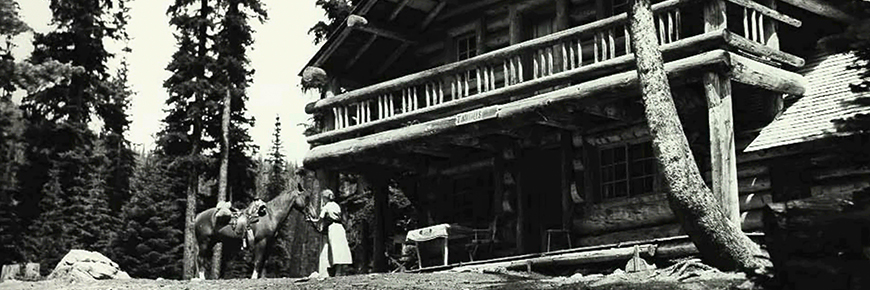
(521,203)
(380,188)
(771,38)
(498,169)
(480,33)
(714,15)
(717,88)
(567,176)
(515,28)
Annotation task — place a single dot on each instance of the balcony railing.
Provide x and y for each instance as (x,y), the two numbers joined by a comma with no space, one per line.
(572,55)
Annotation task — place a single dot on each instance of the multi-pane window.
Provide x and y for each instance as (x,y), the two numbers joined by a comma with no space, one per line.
(618,6)
(627,170)
(466,46)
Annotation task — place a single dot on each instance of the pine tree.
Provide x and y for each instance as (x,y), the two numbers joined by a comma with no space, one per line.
(150,244)
(63,190)
(116,122)
(188,87)
(233,73)
(11,142)
(336,11)
(276,181)
(209,63)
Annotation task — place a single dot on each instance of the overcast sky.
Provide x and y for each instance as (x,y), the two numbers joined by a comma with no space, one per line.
(282,47)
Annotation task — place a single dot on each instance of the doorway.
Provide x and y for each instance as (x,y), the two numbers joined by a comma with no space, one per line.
(541,187)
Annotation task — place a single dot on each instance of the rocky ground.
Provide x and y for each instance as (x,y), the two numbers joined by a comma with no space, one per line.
(660,279)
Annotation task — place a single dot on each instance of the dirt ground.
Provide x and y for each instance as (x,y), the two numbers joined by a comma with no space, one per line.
(424,281)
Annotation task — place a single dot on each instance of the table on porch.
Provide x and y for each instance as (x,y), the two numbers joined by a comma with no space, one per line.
(445,232)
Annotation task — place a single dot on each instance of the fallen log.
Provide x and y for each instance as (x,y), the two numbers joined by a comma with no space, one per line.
(751,221)
(595,256)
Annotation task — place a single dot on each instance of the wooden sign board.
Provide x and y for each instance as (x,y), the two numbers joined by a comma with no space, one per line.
(476,115)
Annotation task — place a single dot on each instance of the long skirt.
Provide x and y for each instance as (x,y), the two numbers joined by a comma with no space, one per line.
(335,250)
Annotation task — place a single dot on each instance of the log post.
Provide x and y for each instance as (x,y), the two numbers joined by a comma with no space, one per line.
(770,37)
(717,88)
(567,157)
(380,190)
(329,121)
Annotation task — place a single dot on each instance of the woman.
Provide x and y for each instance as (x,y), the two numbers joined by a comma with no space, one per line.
(336,251)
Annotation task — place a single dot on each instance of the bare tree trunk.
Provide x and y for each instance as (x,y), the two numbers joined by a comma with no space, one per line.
(222,181)
(720,242)
(193,185)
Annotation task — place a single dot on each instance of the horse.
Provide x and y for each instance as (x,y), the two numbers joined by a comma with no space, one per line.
(263,228)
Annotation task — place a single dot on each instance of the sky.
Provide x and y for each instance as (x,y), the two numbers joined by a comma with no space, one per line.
(281,48)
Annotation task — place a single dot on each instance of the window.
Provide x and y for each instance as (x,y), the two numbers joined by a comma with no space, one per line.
(618,6)
(627,170)
(466,47)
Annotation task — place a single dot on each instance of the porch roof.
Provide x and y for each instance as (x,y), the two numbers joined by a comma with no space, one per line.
(828,98)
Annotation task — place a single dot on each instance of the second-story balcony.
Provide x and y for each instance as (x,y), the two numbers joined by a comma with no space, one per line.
(579,65)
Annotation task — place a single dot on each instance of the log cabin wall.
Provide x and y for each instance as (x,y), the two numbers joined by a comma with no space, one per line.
(627,216)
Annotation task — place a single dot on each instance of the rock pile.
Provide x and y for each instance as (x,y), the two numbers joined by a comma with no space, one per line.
(81,265)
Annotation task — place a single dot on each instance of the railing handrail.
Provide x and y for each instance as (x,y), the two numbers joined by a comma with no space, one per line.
(492,56)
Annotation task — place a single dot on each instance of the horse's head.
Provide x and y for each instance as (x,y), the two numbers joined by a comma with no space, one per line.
(301,200)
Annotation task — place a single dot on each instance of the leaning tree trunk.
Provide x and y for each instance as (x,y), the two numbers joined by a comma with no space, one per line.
(720,242)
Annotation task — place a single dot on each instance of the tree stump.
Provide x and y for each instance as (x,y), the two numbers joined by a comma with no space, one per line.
(31,271)
(9,272)
(821,242)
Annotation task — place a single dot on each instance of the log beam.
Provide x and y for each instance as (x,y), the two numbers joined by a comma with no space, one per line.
(823,8)
(432,14)
(398,9)
(766,11)
(427,150)
(361,51)
(763,51)
(717,88)
(393,58)
(753,73)
(379,30)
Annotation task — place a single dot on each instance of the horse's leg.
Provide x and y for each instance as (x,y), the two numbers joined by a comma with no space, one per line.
(259,258)
(205,247)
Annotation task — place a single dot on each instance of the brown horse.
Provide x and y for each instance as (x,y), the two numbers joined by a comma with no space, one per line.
(264,228)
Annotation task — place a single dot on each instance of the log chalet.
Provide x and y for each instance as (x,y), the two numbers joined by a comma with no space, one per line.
(524,117)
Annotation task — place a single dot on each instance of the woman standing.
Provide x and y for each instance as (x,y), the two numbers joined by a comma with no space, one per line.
(335,252)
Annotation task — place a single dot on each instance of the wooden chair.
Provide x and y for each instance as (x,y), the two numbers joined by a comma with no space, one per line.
(565,232)
(483,238)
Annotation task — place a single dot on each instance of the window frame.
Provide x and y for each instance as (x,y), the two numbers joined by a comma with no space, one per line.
(628,178)
(465,46)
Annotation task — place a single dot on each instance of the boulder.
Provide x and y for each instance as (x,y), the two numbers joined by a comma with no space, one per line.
(81,265)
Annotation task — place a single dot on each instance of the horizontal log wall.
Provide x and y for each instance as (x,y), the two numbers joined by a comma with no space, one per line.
(819,170)
(650,216)
(430,53)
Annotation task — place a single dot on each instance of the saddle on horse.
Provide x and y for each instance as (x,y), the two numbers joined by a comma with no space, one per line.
(239,221)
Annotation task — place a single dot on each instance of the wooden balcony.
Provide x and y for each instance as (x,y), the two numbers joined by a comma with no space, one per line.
(582,62)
